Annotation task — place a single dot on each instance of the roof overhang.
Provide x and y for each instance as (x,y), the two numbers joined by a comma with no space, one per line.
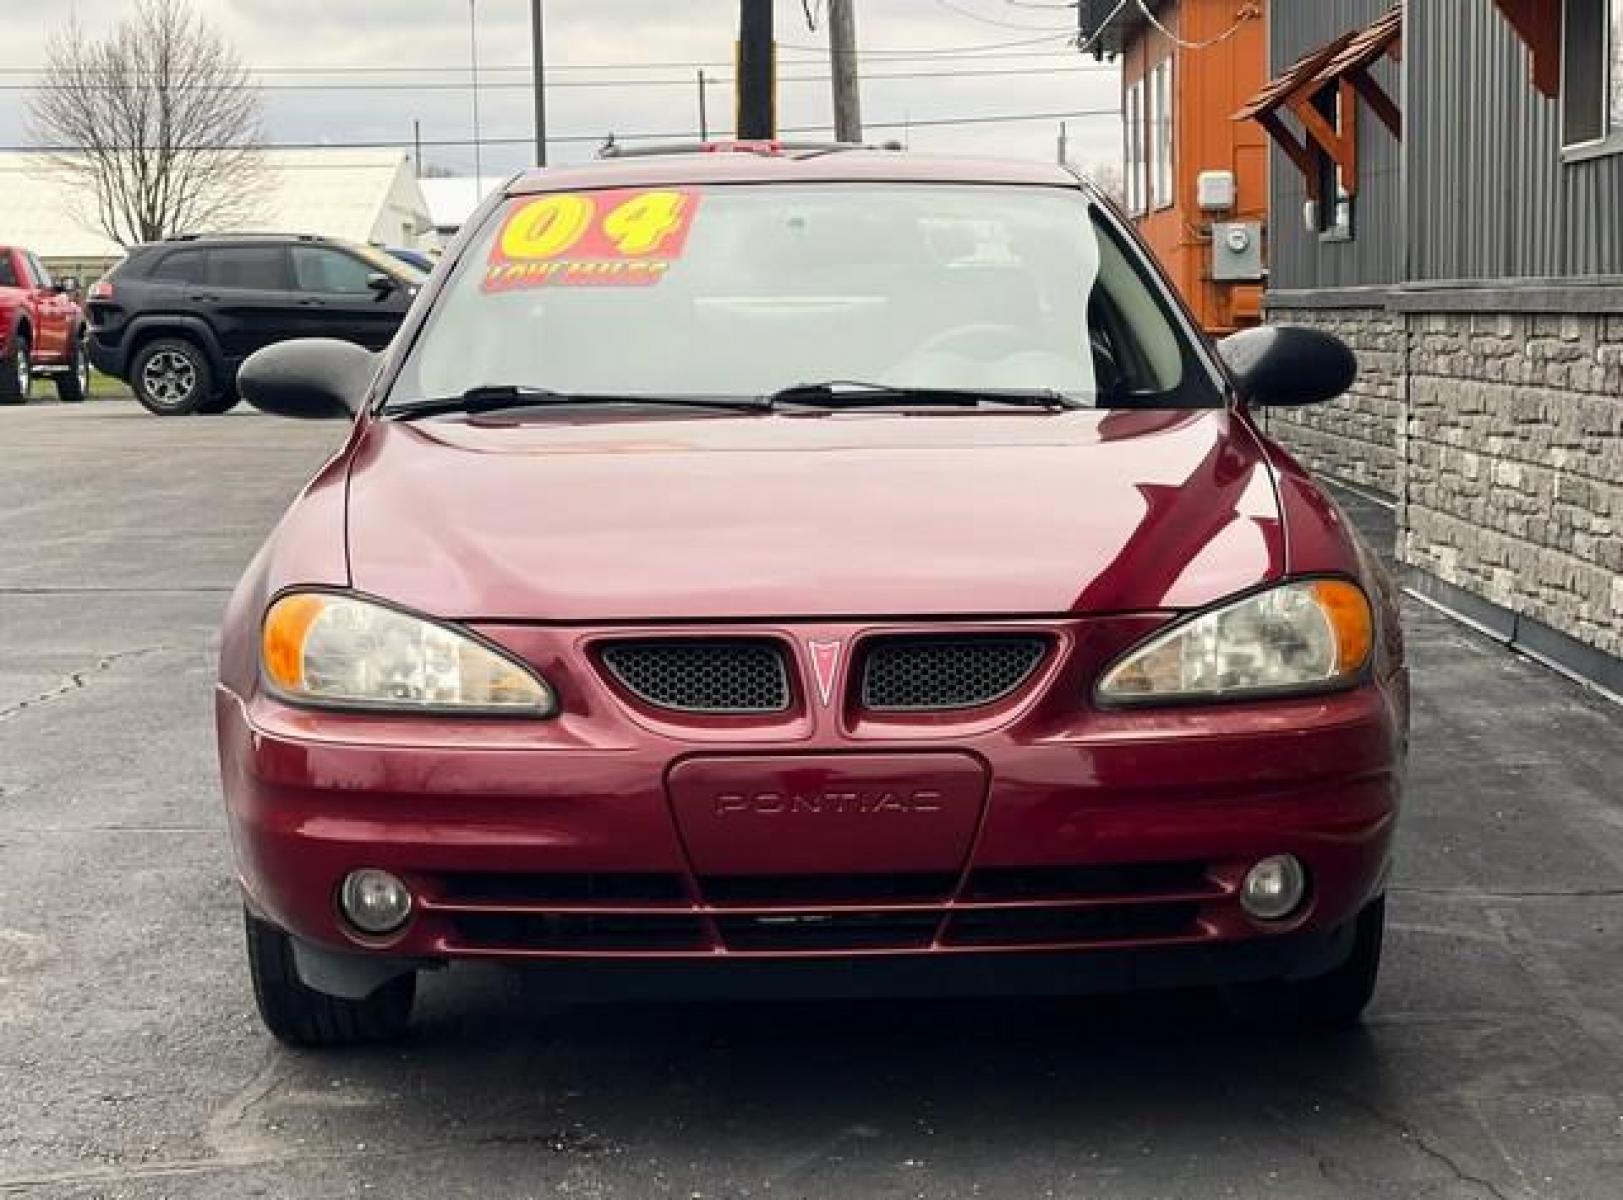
(1344,64)
(1109,26)
(1538,23)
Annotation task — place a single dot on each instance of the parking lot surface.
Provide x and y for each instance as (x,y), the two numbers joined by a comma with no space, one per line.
(1491,1065)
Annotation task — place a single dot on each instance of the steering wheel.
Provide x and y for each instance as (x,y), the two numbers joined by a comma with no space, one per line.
(985,342)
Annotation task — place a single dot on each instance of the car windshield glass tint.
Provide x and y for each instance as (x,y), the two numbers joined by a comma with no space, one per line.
(730,291)
(317,269)
(256,267)
(180,266)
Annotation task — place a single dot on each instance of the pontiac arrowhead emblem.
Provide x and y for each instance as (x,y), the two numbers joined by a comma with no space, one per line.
(825,659)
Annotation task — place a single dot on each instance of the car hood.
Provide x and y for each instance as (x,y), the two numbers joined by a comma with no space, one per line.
(604,518)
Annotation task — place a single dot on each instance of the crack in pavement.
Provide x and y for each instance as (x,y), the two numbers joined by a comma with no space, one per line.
(77,681)
(1411,1136)
(1516,894)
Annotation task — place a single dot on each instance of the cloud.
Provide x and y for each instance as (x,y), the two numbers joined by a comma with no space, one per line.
(598,41)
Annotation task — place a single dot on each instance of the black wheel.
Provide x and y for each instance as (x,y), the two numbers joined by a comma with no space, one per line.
(1335,1000)
(302,1016)
(73,384)
(220,402)
(16,373)
(171,377)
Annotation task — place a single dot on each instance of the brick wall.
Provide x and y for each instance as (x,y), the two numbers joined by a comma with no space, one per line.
(1354,438)
(1500,436)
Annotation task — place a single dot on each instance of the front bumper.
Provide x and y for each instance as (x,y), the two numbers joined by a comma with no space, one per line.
(1118,838)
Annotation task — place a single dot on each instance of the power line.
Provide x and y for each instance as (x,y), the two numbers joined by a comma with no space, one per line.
(1078,66)
(597,138)
(953,7)
(986,50)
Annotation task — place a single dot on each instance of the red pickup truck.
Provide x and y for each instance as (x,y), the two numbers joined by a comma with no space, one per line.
(41,330)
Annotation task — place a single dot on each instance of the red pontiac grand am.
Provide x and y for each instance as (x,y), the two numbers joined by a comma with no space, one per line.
(806,572)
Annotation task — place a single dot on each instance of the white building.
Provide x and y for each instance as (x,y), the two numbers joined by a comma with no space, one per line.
(362,195)
(451,201)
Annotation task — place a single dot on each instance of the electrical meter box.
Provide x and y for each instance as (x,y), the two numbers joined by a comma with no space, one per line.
(1237,251)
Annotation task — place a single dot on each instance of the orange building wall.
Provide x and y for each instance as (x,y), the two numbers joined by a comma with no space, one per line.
(1207,87)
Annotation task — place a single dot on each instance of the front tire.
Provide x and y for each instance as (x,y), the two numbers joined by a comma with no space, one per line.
(1332,1001)
(171,377)
(16,373)
(301,1016)
(73,384)
(221,402)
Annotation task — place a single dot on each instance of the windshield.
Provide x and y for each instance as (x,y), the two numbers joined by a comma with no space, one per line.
(744,290)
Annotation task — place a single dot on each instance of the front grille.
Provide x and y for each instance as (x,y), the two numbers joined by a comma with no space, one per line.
(577,931)
(919,674)
(1062,926)
(1113,880)
(827,889)
(829,931)
(577,887)
(734,675)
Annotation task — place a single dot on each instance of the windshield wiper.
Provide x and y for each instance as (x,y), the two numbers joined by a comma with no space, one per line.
(497,397)
(855,393)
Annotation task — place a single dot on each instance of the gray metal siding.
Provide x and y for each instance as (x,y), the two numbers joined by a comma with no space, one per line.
(1299,257)
(1484,193)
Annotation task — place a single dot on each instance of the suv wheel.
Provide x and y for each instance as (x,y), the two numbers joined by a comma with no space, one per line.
(301,1016)
(1335,1000)
(73,384)
(220,402)
(171,377)
(16,373)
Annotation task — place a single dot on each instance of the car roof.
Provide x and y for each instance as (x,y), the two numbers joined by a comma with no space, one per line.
(838,164)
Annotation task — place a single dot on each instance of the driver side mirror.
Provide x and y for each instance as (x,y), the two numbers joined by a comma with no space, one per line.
(309,378)
(1288,365)
(68,285)
(383,285)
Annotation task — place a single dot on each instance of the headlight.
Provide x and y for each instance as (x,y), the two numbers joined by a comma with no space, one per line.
(347,653)
(1298,637)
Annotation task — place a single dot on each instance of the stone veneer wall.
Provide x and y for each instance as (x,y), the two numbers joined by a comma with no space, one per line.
(1514,467)
(1500,436)
(1355,439)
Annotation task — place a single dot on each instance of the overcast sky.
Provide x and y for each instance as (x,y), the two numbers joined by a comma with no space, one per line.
(596,86)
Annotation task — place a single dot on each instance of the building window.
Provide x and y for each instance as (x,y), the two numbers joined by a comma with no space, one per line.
(1135,148)
(1161,134)
(1334,214)
(1592,74)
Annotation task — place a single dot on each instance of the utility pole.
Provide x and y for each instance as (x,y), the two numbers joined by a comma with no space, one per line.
(704,109)
(538,67)
(1063,148)
(757,71)
(417,145)
(842,47)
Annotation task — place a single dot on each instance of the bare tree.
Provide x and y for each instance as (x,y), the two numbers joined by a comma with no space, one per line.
(156,126)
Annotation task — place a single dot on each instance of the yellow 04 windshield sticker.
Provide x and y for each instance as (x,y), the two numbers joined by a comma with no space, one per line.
(619,238)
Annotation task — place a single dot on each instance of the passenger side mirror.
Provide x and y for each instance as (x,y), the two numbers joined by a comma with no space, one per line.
(383,285)
(68,285)
(1288,365)
(310,378)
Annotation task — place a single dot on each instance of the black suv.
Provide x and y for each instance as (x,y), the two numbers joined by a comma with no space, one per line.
(175,319)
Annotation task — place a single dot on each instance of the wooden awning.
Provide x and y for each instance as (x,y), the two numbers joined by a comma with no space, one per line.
(1538,23)
(1345,64)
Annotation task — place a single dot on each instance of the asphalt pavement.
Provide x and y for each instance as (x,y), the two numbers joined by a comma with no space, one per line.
(131,1064)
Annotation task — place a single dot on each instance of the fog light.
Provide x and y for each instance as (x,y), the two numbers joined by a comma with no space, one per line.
(374,901)
(1274,887)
